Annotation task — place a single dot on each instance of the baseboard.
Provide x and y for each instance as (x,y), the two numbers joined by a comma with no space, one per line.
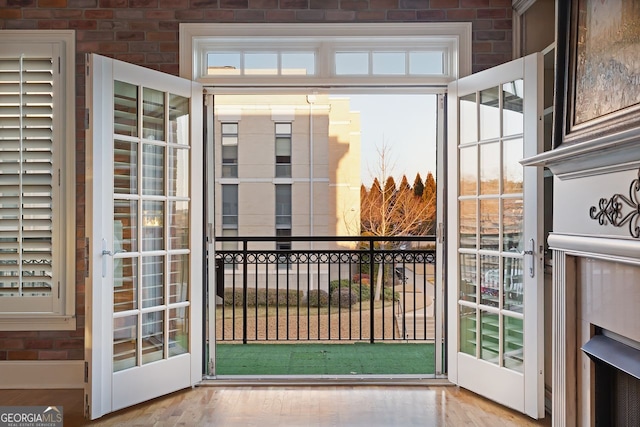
(41,374)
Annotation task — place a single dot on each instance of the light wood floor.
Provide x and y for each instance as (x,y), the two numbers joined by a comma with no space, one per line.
(266,406)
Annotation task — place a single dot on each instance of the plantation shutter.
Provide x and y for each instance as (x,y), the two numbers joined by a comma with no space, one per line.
(28,181)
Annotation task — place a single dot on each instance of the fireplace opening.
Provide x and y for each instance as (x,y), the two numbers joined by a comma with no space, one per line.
(617,379)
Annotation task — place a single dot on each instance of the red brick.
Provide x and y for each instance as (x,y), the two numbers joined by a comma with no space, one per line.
(179,4)
(263,4)
(19,3)
(82,4)
(10,14)
(112,25)
(340,15)
(484,24)
(37,13)
(218,15)
(491,58)
(461,14)
(490,35)
(169,26)
(249,16)
(444,4)
(401,15)
(148,25)
(51,24)
(98,14)
(90,46)
(83,24)
(133,58)
(95,35)
(370,15)
(501,3)
(12,344)
(294,4)
(173,69)
(22,355)
(499,47)
(383,4)
(189,15)
(309,15)
(128,14)
(113,3)
(39,344)
(113,47)
(491,13)
(474,3)
(431,15)
(354,4)
(52,3)
(143,3)
(170,47)
(414,4)
(159,15)
(504,24)
(203,4)
(143,47)
(482,47)
(236,4)
(130,35)
(164,36)
(164,58)
(67,13)
(280,16)
(53,355)
(323,4)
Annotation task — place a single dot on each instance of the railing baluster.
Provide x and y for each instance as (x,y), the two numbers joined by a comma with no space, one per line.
(245,279)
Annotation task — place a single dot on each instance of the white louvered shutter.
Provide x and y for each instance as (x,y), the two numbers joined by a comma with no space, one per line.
(28,180)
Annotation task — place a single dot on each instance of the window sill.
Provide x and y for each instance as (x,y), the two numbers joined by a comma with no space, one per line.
(37,323)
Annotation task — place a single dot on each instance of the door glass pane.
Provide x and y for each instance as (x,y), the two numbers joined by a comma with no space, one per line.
(468,285)
(223,63)
(152,281)
(490,168)
(125,284)
(490,279)
(512,170)
(178,120)
(513,284)
(153,114)
(152,336)
(152,225)
(125,167)
(125,338)
(469,171)
(352,63)
(512,113)
(490,224)
(152,170)
(468,223)
(512,225)
(489,336)
(490,113)
(468,330)
(178,172)
(513,343)
(125,225)
(468,119)
(178,331)
(125,109)
(389,63)
(178,278)
(178,225)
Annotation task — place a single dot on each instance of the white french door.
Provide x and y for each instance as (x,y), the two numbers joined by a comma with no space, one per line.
(144,216)
(495,272)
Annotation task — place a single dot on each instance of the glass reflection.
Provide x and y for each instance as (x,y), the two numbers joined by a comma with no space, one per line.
(125,225)
(421,63)
(153,114)
(178,120)
(125,109)
(468,279)
(352,63)
(468,223)
(125,167)
(179,225)
(125,339)
(223,63)
(298,63)
(512,170)
(469,171)
(468,330)
(178,278)
(490,113)
(263,63)
(178,331)
(178,172)
(513,343)
(490,224)
(512,112)
(490,280)
(125,284)
(468,119)
(152,170)
(513,285)
(512,225)
(489,337)
(152,225)
(490,168)
(152,336)
(389,63)
(152,281)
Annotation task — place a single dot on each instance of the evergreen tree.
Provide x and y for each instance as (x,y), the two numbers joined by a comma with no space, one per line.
(418,185)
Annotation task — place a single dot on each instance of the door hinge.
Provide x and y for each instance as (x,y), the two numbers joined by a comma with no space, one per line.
(86,257)
(86,371)
(86,118)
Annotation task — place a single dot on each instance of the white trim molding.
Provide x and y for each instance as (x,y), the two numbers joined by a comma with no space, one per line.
(42,374)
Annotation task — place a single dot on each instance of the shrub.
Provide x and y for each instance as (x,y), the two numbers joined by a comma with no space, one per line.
(335,284)
(361,278)
(362,290)
(264,297)
(343,297)
(318,298)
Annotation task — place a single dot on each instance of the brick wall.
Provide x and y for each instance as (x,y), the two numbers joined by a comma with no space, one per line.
(145,32)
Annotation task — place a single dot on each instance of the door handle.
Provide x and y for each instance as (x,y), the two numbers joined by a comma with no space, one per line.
(106,251)
(532,253)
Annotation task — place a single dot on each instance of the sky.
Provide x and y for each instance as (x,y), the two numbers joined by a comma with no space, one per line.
(406,124)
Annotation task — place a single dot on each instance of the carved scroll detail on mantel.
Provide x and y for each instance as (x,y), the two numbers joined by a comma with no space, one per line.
(619,209)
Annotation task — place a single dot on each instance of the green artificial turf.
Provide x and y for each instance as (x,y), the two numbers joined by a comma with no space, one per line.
(324,359)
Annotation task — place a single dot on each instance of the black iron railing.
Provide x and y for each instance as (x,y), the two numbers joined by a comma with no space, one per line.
(325,289)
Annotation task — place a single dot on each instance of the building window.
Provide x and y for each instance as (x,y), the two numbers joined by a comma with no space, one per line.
(283,215)
(230,206)
(229,150)
(37,181)
(283,150)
